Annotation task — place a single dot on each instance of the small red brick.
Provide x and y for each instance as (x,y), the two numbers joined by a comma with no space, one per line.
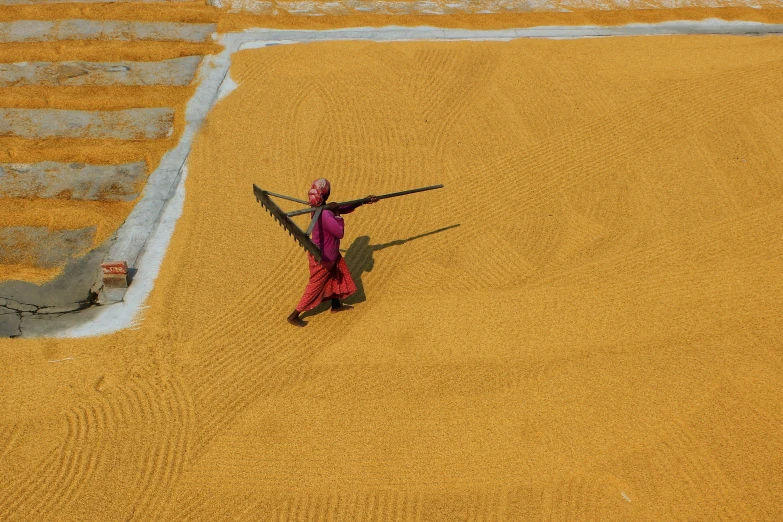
(119,267)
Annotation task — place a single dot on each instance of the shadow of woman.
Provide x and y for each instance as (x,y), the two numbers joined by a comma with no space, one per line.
(360,259)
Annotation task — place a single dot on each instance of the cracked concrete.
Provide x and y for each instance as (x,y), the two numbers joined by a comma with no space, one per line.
(174,72)
(27,309)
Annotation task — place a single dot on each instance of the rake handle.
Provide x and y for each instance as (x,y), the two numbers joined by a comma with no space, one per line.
(363,200)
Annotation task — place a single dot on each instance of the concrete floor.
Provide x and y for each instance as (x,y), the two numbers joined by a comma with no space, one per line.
(31,310)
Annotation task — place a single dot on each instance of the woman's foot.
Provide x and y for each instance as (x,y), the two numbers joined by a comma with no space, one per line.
(296,321)
(341,308)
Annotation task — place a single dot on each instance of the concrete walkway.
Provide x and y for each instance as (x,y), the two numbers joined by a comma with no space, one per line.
(177,71)
(44,31)
(144,237)
(128,124)
(50,179)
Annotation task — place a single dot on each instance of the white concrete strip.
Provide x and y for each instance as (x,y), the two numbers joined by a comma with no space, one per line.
(45,30)
(143,239)
(42,247)
(125,314)
(128,124)
(131,238)
(174,72)
(49,179)
(258,38)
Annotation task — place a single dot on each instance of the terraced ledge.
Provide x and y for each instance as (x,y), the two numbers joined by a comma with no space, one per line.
(128,124)
(174,72)
(49,179)
(43,247)
(42,31)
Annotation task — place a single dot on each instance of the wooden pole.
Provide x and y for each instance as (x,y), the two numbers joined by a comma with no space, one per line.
(364,200)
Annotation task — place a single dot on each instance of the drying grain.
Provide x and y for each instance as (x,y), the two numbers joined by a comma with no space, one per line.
(597,339)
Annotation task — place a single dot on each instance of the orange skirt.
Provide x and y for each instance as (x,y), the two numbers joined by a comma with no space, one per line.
(327,281)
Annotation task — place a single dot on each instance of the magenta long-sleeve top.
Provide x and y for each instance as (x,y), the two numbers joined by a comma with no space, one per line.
(328,232)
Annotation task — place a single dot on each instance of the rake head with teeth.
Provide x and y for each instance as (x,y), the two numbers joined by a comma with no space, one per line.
(285,221)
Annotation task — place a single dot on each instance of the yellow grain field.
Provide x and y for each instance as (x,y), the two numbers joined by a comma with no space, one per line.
(585,324)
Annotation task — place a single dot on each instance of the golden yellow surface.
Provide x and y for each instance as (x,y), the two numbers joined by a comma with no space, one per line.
(228,20)
(115,98)
(569,16)
(598,339)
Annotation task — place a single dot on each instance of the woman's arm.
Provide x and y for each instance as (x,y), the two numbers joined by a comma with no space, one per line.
(347,209)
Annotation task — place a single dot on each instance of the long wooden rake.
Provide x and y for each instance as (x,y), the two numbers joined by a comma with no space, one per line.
(303,237)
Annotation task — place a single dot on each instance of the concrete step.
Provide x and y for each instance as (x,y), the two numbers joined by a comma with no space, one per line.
(89,152)
(41,246)
(129,124)
(103,51)
(46,30)
(175,72)
(49,179)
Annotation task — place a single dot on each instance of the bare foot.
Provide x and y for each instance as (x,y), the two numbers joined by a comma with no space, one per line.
(297,322)
(343,308)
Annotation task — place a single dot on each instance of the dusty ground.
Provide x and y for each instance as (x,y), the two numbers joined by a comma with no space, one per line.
(598,339)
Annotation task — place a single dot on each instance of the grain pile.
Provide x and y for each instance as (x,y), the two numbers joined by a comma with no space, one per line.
(598,339)
(60,214)
(473,7)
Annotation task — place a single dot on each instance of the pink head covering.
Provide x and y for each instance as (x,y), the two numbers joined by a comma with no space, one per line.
(318,191)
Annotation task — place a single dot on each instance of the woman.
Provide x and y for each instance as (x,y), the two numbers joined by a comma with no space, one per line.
(330,278)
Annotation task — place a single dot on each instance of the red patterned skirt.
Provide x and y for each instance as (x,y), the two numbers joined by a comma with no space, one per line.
(327,281)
